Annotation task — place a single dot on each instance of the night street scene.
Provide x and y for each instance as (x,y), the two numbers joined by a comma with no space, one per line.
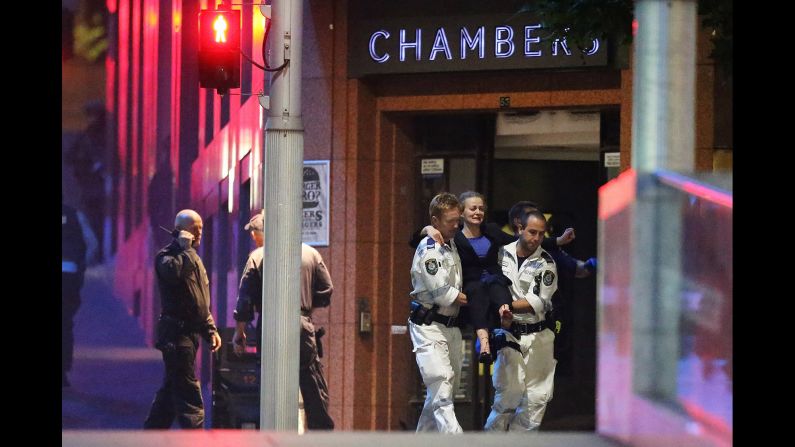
(360,222)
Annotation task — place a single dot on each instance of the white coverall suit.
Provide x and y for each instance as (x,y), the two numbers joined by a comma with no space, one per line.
(524,381)
(436,278)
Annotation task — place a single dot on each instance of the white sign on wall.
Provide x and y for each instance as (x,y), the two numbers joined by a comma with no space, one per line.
(315,222)
(432,166)
(612,159)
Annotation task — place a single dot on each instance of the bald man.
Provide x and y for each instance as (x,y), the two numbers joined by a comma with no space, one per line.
(185,316)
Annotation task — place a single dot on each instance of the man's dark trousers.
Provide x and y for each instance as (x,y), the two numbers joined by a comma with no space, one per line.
(180,396)
(311,381)
(70,302)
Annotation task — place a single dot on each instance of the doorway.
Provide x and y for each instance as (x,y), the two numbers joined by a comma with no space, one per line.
(456,152)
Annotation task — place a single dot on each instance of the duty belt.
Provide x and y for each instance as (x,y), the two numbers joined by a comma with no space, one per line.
(182,326)
(424,315)
(518,329)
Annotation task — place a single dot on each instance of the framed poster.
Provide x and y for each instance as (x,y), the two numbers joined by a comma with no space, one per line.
(315,221)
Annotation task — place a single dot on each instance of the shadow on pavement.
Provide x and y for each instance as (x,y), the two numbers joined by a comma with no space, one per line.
(114,374)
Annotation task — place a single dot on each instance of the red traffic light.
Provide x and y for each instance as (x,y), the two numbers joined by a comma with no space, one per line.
(219,30)
(219,49)
(220,26)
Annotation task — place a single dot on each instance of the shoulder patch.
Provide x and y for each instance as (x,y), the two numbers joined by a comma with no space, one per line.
(431,266)
(547,257)
(430,242)
(548,277)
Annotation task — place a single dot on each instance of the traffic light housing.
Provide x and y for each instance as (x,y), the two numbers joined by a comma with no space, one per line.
(219,49)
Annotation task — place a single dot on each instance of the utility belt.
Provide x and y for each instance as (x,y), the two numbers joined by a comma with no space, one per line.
(180,324)
(168,329)
(498,341)
(519,329)
(423,315)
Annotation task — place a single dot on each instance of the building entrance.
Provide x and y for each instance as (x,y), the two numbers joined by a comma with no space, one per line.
(557,162)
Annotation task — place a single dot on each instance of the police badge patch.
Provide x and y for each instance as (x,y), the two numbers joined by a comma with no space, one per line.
(431,266)
(548,277)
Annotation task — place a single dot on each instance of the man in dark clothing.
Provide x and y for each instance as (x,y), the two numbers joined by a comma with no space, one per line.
(316,288)
(77,246)
(185,315)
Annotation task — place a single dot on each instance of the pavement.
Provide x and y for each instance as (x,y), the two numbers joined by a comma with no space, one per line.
(114,374)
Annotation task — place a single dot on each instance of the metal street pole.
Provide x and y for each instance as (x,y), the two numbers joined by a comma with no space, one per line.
(283,177)
(663,137)
(663,98)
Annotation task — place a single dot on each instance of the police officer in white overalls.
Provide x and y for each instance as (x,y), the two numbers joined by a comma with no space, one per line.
(433,323)
(525,369)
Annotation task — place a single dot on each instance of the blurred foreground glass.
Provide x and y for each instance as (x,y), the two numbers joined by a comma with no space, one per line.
(665,309)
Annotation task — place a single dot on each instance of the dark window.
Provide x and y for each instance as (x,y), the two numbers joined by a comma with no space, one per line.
(223,263)
(246,69)
(137,303)
(243,241)
(113,135)
(139,144)
(224,110)
(189,103)
(209,95)
(130,144)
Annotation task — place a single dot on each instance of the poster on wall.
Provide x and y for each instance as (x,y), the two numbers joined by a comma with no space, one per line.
(315,222)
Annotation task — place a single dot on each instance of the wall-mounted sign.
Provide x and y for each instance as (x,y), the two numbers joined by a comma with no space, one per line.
(462,43)
(612,159)
(432,166)
(315,223)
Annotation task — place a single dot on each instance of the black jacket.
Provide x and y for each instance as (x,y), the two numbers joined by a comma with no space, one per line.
(184,288)
(472,265)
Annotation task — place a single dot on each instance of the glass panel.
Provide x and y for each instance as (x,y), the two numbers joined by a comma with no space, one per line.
(665,309)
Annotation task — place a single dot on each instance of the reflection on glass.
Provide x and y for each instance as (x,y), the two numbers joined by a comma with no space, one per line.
(665,311)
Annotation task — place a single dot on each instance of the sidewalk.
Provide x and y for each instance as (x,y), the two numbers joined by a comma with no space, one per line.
(114,375)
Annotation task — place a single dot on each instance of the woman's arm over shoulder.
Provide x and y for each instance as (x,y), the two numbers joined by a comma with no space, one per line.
(495,233)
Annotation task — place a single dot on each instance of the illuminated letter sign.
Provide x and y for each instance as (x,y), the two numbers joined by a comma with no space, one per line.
(501,42)
(563,45)
(373,42)
(440,44)
(417,44)
(373,54)
(530,40)
(470,42)
(594,48)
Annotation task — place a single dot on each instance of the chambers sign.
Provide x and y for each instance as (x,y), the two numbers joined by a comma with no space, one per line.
(463,44)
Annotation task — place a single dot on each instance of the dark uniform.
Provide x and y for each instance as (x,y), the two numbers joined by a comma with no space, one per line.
(316,289)
(185,297)
(249,294)
(73,256)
